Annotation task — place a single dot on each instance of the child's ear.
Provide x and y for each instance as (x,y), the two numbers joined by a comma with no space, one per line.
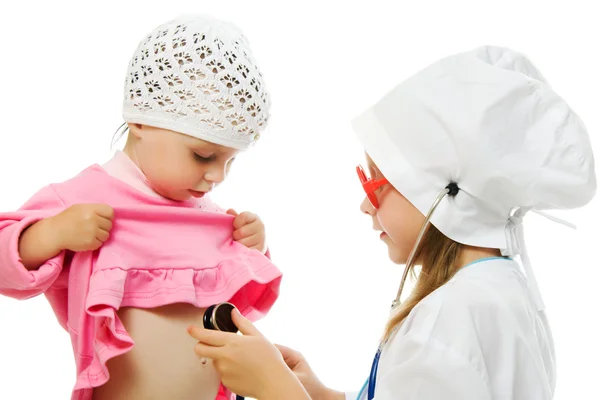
(135,130)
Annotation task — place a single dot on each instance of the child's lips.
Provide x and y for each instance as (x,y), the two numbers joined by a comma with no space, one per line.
(196,193)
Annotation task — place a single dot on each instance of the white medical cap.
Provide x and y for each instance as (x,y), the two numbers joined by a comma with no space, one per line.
(487,120)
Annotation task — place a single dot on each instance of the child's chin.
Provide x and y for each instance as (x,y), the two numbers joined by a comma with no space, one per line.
(396,256)
(175,196)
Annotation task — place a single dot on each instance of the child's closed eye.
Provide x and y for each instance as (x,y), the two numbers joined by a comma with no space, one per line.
(204,158)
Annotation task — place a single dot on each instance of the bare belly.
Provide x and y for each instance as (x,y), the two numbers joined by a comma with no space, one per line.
(162,365)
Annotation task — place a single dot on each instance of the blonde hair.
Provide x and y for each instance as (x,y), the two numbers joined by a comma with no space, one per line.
(439,258)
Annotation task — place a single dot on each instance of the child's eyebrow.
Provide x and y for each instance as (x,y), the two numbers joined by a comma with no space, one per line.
(206,147)
(213,148)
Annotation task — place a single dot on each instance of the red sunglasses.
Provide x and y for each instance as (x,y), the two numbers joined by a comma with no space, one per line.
(370,185)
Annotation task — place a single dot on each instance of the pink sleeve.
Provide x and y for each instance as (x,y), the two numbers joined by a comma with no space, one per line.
(225,394)
(15,280)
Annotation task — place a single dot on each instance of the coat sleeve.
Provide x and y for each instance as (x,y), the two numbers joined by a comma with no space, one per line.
(15,280)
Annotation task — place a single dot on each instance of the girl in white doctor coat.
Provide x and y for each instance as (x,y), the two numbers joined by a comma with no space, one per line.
(457,155)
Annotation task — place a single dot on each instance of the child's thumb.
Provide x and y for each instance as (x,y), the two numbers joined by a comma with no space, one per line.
(231,211)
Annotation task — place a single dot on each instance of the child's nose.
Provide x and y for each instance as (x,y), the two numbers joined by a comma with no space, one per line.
(366,207)
(216,174)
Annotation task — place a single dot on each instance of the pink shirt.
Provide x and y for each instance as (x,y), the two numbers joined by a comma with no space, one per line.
(160,252)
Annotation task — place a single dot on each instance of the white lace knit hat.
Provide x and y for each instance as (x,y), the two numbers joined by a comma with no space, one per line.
(196,75)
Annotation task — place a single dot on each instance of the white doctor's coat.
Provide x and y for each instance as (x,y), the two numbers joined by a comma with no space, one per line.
(479,337)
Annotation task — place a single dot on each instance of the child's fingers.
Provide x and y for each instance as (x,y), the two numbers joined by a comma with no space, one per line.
(250,242)
(247,231)
(290,356)
(250,217)
(104,223)
(243,219)
(231,211)
(243,324)
(209,337)
(205,351)
(240,234)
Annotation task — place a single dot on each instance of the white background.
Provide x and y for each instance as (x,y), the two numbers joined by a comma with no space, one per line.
(62,66)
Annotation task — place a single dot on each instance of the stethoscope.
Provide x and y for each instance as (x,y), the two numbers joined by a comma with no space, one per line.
(218,317)
(451,190)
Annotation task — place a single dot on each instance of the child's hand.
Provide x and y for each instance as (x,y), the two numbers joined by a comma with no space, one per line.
(248,364)
(249,230)
(82,227)
(315,388)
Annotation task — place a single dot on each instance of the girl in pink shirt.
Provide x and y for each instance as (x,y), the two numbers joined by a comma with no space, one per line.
(131,252)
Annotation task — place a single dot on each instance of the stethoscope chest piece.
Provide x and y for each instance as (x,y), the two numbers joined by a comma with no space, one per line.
(218,318)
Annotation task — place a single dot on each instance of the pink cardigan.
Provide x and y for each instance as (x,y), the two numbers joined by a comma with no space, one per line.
(160,252)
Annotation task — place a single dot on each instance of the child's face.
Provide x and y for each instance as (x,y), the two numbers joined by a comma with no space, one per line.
(397,219)
(179,166)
